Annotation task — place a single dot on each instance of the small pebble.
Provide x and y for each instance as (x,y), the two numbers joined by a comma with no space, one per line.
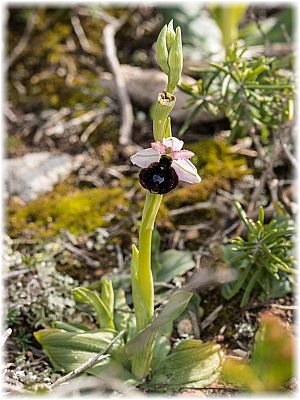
(185,327)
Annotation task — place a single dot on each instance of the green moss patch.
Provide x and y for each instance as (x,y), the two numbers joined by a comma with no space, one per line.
(79,211)
(190,194)
(215,158)
(216,165)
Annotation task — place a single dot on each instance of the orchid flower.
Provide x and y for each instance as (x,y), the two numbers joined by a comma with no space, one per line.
(171,147)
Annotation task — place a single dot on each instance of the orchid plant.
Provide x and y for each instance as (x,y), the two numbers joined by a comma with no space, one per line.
(141,349)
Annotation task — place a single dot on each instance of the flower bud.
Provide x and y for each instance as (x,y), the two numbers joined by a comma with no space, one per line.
(161,51)
(175,61)
(170,36)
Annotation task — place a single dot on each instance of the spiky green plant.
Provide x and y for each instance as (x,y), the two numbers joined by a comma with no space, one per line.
(264,258)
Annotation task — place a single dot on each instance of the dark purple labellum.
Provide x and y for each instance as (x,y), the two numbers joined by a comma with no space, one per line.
(159,177)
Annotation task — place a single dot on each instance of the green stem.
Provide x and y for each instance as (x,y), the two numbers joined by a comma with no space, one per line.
(162,109)
(169,88)
(145,278)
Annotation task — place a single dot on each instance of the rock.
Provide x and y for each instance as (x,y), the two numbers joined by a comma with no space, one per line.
(185,327)
(37,173)
(143,86)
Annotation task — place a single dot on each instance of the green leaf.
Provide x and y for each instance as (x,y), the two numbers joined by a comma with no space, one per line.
(239,373)
(229,290)
(275,28)
(107,295)
(140,349)
(276,288)
(291,109)
(174,263)
(225,84)
(69,327)
(113,369)
(192,364)
(279,86)
(131,328)
(190,118)
(161,349)
(274,368)
(68,350)
(243,216)
(122,311)
(252,281)
(120,280)
(228,17)
(220,68)
(261,215)
(252,74)
(104,316)
(186,88)
(272,363)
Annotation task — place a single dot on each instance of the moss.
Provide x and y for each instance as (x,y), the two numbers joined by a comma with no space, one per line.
(106,132)
(191,194)
(217,166)
(66,207)
(214,158)
(52,73)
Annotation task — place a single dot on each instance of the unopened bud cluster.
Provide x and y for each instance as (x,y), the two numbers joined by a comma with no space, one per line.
(169,54)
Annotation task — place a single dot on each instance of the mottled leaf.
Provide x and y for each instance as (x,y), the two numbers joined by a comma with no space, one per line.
(191,364)
(68,351)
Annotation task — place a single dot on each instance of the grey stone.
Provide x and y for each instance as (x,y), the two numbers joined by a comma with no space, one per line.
(143,86)
(36,173)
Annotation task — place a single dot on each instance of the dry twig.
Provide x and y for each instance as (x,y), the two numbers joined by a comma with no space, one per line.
(211,317)
(259,147)
(109,33)
(84,43)
(91,128)
(284,307)
(201,226)
(23,42)
(81,254)
(195,207)
(263,34)
(95,384)
(195,323)
(15,273)
(289,155)
(5,336)
(120,257)
(285,138)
